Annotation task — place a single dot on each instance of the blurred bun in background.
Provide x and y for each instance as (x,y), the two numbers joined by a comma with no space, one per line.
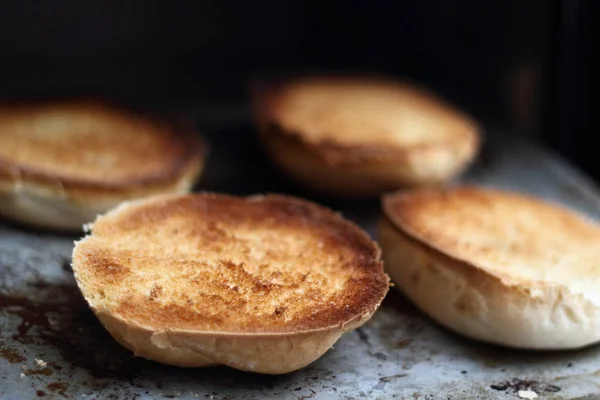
(361,136)
(62,163)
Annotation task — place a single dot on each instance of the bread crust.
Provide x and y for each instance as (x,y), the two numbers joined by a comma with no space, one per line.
(63,163)
(402,136)
(276,281)
(488,287)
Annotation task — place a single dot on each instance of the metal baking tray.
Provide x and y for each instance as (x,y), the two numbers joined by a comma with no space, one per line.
(51,345)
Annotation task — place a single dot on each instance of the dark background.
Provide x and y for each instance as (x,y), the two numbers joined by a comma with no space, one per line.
(529,67)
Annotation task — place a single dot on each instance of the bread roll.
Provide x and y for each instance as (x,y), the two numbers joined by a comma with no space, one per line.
(496,266)
(359,137)
(264,284)
(61,164)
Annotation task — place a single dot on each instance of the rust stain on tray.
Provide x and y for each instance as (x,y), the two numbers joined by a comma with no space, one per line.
(62,319)
(10,354)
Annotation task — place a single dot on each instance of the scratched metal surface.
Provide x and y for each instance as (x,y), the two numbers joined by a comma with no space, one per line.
(398,354)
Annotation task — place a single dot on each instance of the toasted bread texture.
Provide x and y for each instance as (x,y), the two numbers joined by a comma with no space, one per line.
(61,164)
(361,136)
(264,283)
(496,266)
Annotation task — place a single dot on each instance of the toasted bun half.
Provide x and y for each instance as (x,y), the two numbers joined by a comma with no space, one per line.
(359,137)
(264,284)
(61,164)
(496,266)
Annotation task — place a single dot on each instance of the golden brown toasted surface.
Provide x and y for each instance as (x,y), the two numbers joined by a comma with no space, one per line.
(212,262)
(91,145)
(363,111)
(517,238)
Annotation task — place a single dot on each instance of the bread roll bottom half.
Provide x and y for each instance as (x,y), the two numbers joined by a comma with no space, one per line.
(496,266)
(264,283)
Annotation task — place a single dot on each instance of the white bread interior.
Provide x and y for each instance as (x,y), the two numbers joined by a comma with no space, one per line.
(479,285)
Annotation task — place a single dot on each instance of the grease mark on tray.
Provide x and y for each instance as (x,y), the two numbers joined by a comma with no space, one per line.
(386,379)
(362,335)
(515,385)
